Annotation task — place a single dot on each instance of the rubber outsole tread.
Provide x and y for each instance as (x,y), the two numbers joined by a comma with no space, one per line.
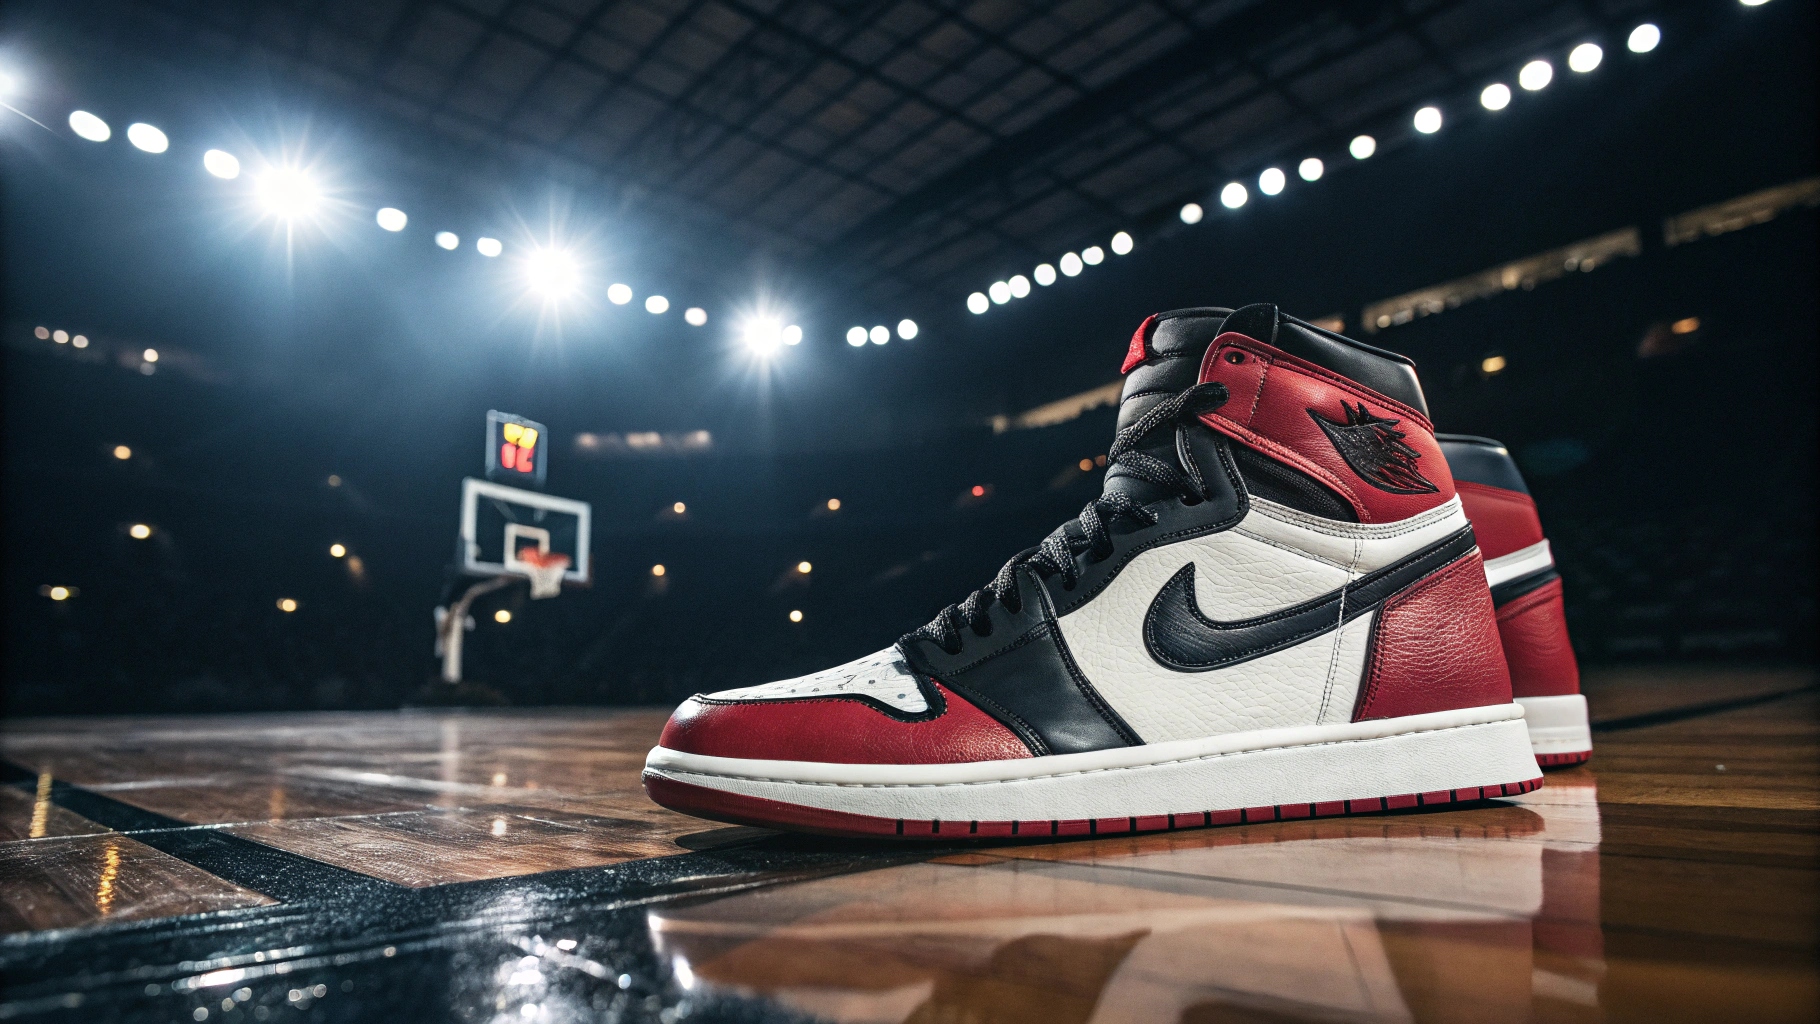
(736,809)
(1564,760)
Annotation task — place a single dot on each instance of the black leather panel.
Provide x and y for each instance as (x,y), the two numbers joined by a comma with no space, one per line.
(1273,481)
(1510,590)
(1023,676)
(1383,371)
(1177,342)
(1481,460)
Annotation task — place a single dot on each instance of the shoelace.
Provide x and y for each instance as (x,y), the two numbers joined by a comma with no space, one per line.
(1056,554)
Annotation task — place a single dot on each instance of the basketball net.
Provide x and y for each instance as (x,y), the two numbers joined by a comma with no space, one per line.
(545,571)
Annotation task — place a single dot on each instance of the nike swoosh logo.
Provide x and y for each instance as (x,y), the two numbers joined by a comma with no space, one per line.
(1179,636)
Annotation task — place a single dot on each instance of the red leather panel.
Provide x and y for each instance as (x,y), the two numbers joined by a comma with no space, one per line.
(1139,350)
(1435,647)
(1534,630)
(1273,395)
(1502,521)
(838,730)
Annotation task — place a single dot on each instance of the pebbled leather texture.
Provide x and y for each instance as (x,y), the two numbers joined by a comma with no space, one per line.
(1541,656)
(1380,370)
(840,730)
(1504,520)
(1273,396)
(1436,647)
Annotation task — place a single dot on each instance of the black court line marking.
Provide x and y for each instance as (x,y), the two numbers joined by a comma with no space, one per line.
(285,877)
(1649,718)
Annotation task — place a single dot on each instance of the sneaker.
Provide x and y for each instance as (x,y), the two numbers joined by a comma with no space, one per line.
(1274,609)
(1544,676)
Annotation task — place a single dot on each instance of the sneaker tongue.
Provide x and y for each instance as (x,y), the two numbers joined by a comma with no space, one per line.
(1171,364)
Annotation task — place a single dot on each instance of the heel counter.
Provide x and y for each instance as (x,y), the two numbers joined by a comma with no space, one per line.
(1435,647)
(1540,653)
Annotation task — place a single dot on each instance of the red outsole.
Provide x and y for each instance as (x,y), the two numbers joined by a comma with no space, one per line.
(1563,760)
(718,805)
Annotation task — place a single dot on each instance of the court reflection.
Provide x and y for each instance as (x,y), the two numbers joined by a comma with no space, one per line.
(1488,913)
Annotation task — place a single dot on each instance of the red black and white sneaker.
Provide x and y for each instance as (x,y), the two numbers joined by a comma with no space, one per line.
(1532,623)
(1275,609)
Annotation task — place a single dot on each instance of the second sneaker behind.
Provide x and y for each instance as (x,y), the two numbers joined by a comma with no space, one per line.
(1276,608)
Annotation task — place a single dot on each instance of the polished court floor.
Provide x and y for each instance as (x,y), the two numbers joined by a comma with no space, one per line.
(506,866)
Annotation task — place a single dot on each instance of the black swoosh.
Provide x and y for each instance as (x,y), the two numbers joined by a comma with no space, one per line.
(1179,636)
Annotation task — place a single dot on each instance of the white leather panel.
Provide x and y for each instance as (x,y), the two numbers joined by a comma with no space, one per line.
(882,676)
(1360,547)
(1520,562)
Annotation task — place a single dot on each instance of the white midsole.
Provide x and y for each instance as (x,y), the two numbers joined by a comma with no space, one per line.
(1445,750)
(1558,725)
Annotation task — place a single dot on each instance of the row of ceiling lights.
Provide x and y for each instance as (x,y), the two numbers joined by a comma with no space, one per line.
(1533,77)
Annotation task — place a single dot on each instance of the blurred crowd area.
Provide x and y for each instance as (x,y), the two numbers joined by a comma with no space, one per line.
(1675,480)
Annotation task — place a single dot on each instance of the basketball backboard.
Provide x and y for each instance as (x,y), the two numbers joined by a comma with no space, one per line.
(498,523)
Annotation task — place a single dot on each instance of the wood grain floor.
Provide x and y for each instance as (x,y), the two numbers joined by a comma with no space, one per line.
(1677,876)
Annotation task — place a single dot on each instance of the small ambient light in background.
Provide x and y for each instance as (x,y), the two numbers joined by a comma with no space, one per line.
(221,163)
(58,593)
(880,334)
(796,615)
(657,304)
(41,333)
(122,452)
(1585,57)
(1271,182)
(679,508)
(1536,75)
(1362,146)
(502,616)
(977,303)
(1495,96)
(804,568)
(619,294)
(337,550)
(1086,465)
(448,240)
(1122,243)
(334,481)
(1492,365)
(1093,255)
(287,605)
(150,355)
(391,219)
(1428,120)
(139,531)
(489,247)
(906,329)
(89,126)
(1191,213)
(1070,264)
(856,336)
(1311,169)
(657,570)
(1686,325)
(1644,38)
(1233,195)
(1019,285)
(147,138)
(79,341)
(793,335)
(1044,274)
(695,316)
(1000,292)
(60,336)
(834,504)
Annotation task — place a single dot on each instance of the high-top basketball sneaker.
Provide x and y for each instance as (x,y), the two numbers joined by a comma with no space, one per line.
(1275,609)
(1532,623)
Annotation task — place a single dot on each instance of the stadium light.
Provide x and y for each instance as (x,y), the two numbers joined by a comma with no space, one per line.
(1122,243)
(1093,255)
(1311,169)
(288,193)
(1495,96)
(764,335)
(392,219)
(1191,213)
(856,336)
(1428,120)
(1044,274)
(906,329)
(221,163)
(140,531)
(553,272)
(879,334)
(1536,75)
(89,126)
(1019,285)
(1644,38)
(1000,292)
(793,335)
(1071,265)
(1585,57)
(1362,146)
(619,294)
(448,240)
(147,138)
(657,304)
(1271,182)
(977,303)
(1233,195)
(488,247)
(695,316)
(1753,3)
(122,452)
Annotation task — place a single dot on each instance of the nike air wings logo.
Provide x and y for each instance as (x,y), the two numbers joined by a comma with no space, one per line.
(1179,636)
(1374,448)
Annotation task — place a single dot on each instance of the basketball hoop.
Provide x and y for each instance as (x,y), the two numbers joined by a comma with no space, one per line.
(545,570)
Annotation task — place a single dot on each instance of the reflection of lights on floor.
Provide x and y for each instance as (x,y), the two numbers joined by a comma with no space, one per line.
(110,870)
(41,807)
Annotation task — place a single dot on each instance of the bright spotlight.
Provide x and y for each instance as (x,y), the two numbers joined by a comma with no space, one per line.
(1362,146)
(140,531)
(1191,213)
(1644,38)
(150,355)
(1428,120)
(762,334)
(147,138)
(392,219)
(1000,292)
(804,568)
(1093,255)
(338,550)
(1585,57)
(978,303)
(488,247)
(793,335)
(90,127)
(1536,75)
(287,605)
(1071,265)
(1753,3)
(502,616)
(288,193)
(1311,169)
(1233,195)
(1495,96)
(221,163)
(1019,285)
(906,328)
(856,336)
(796,615)
(879,334)
(122,452)
(1122,243)
(1271,182)
(695,316)
(552,272)
(657,304)
(448,240)
(1044,274)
